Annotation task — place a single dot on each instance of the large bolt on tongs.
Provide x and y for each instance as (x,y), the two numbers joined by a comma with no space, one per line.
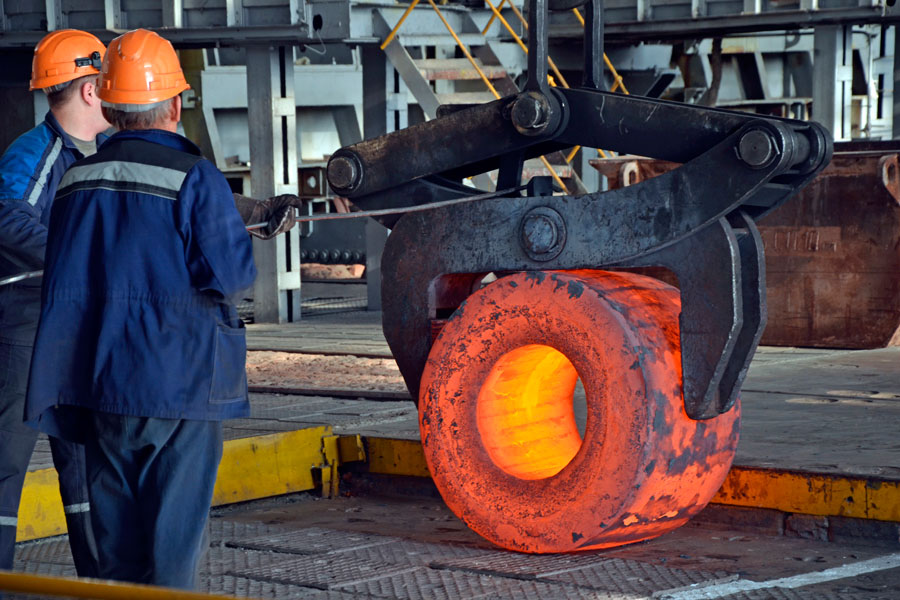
(698,220)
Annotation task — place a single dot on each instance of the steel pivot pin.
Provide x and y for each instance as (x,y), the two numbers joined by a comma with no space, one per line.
(756,148)
(344,173)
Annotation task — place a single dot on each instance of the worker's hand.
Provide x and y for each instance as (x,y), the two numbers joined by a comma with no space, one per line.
(276,214)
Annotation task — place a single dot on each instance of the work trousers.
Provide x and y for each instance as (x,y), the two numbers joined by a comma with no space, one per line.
(17,442)
(152,480)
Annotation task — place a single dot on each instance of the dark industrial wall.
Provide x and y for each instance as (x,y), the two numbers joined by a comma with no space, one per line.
(17,114)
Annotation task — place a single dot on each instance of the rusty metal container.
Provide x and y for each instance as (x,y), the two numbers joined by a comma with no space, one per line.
(832,252)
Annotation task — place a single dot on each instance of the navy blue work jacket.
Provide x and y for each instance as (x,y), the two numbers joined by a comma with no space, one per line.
(145,251)
(30,171)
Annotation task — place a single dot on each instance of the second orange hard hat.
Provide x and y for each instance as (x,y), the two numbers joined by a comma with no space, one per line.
(64,55)
(140,68)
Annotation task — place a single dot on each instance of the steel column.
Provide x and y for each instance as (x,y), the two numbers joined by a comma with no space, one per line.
(378,78)
(832,79)
(173,13)
(272,119)
(56,19)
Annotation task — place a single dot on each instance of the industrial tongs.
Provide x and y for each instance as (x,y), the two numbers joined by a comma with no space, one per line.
(698,221)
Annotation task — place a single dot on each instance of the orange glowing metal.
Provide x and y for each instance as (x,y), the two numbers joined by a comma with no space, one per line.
(497,423)
(525,413)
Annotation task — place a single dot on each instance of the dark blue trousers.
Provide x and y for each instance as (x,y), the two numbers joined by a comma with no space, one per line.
(151,480)
(16,445)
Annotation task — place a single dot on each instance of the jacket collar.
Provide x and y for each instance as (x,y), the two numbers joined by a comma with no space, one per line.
(157,136)
(54,126)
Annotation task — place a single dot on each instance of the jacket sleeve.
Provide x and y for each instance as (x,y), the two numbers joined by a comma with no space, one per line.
(22,235)
(23,238)
(218,250)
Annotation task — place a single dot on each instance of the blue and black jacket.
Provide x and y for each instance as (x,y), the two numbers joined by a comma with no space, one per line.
(30,171)
(145,250)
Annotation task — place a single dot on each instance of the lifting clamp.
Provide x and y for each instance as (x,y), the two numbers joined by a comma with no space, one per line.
(698,221)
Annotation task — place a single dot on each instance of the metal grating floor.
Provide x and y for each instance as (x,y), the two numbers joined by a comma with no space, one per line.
(259,560)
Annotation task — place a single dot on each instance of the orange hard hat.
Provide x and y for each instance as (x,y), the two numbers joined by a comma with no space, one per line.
(140,68)
(65,55)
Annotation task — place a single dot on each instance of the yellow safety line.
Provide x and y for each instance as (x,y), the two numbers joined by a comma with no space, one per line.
(489,85)
(65,587)
(396,28)
(786,491)
(491,20)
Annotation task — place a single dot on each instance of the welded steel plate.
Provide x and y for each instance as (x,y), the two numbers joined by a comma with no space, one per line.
(790,594)
(55,550)
(47,569)
(432,584)
(523,566)
(630,576)
(220,560)
(325,571)
(221,529)
(242,587)
(403,551)
(314,540)
(589,571)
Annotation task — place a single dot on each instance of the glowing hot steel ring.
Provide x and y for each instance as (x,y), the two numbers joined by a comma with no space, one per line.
(496,414)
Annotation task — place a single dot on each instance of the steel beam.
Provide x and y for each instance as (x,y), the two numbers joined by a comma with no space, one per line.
(618,31)
(173,13)
(272,117)
(895,94)
(376,75)
(832,79)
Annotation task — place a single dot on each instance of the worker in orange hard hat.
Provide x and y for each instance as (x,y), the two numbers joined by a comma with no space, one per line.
(140,351)
(66,67)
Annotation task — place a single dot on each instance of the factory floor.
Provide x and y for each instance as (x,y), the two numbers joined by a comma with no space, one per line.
(811,508)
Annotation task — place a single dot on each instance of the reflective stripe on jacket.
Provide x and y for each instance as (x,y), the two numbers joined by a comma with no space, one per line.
(30,171)
(145,251)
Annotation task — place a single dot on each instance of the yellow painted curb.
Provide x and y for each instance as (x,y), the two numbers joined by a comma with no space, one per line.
(396,457)
(811,493)
(40,509)
(269,465)
(251,468)
(787,491)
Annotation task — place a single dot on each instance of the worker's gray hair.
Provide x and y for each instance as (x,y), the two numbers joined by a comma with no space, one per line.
(136,116)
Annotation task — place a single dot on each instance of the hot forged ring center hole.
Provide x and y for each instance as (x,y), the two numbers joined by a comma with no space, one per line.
(525,412)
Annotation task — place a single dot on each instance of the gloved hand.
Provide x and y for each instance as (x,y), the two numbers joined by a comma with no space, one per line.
(277,213)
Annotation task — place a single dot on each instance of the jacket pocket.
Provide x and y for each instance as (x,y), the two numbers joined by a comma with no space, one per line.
(229,378)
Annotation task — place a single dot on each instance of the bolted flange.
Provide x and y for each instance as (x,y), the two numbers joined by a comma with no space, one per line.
(542,233)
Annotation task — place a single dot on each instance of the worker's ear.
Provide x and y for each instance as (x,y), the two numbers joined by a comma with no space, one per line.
(89,92)
(175,109)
